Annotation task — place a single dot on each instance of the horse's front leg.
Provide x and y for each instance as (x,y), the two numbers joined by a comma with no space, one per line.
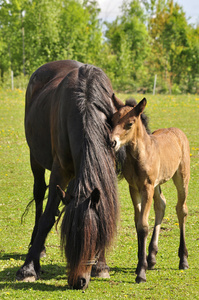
(142,232)
(39,190)
(31,268)
(159,207)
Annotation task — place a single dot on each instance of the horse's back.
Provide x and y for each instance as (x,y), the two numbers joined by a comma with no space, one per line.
(41,103)
(48,72)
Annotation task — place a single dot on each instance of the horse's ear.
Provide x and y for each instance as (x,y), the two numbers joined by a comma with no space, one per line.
(94,201)
(140,107)
(117,102)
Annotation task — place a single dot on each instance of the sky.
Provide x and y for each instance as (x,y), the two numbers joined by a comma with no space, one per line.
(110,9)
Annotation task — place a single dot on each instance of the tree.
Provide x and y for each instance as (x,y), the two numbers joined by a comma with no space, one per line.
(129,41)
(35,32)
(171,44)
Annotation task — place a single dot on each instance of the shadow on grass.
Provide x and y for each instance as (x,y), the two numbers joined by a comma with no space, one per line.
(15,256)
(49,272)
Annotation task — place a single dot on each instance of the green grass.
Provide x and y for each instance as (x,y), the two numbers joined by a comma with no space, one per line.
(164,282)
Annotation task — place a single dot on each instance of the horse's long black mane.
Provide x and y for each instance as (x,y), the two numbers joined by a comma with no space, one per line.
(97,170)
(93,94)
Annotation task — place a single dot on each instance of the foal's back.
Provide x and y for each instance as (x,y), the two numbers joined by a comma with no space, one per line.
(173,153)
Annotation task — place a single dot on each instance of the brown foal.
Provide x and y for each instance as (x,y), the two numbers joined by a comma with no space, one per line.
(151,160)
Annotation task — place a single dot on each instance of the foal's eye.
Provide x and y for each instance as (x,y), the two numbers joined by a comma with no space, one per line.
(128,125)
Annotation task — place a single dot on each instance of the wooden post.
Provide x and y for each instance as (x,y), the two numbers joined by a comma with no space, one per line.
(12,80)
(154,86)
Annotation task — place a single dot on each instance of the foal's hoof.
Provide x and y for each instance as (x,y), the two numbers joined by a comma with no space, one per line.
(140,280)
(141,276)
(183,266)
(151,265)
(151,261)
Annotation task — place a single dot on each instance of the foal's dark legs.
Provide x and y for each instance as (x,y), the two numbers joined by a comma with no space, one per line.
(39,190)
(181,183)
(142,231)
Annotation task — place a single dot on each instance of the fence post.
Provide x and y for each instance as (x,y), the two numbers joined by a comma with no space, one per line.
(12,80)
(154,86)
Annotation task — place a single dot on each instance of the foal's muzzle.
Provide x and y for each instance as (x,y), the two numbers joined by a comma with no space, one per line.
(113,144)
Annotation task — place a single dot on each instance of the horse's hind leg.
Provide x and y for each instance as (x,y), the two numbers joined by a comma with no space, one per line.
(159,207)
(181,183)
(39,190)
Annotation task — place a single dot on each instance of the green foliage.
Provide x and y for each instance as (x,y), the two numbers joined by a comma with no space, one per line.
(149,37)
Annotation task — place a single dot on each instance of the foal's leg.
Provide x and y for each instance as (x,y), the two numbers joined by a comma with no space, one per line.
(181,183)
(39,190)
(31,267)
(136,199)
(142,231)
(159,207)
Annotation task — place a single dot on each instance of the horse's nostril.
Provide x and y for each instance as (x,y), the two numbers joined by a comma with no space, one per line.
(113,144)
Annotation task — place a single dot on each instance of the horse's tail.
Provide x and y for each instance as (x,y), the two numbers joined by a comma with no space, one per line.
(28,206)
(26,210)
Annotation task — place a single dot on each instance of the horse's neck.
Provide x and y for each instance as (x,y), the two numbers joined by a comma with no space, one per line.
(140,143)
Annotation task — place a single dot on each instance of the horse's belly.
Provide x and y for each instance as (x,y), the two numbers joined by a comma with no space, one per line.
(39,140)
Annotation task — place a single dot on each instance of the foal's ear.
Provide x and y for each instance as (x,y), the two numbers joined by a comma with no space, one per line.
(117,102)
(95,196)
(140,107)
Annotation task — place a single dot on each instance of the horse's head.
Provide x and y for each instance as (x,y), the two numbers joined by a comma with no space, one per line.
(81,239)
(124,122)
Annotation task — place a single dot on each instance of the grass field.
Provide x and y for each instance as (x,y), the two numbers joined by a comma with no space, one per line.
(164,282)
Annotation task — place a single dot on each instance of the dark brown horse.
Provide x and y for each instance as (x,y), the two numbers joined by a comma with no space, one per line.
(67,123)
(151,160)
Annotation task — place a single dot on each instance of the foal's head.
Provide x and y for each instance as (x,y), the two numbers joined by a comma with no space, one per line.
(125,123)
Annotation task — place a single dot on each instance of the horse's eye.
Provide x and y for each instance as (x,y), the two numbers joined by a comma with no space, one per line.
(128,125)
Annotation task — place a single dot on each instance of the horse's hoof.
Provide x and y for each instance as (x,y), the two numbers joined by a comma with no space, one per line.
(29,279)
(43,253)
(103,274)
(27,273)
(100,271)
